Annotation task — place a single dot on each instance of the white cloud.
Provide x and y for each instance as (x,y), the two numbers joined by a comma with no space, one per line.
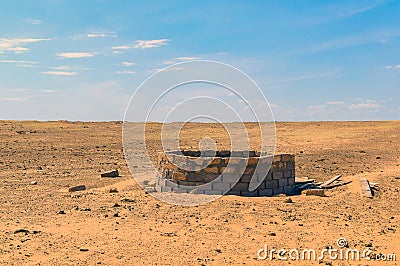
(49,91)
(336,103)
(69,68)
(101,34)
(187,58)
(367,105)
(122,47)
(34,21)
(146,44)
(104,34)
(60,73)
(125,72)
(76,55)
(169,62)
(392,66)
(15,45)
(128,64)
(180,59)
(20,63)
(168,69)
(15,99)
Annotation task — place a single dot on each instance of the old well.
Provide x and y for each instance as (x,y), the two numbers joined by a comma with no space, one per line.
(242,173)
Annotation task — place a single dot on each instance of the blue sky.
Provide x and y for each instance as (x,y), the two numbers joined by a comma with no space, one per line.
(314,60)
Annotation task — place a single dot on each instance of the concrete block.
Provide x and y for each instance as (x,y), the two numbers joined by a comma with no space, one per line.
(221,186)
(265,192)
(283,182)
(277,175)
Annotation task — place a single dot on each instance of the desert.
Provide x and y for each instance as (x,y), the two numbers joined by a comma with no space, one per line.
(42,223)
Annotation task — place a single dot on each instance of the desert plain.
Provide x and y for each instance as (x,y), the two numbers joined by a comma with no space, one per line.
(42,223)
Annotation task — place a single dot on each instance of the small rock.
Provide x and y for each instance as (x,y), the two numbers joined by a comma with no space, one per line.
(272,234)
(218,250)
(113,173)
(314,192)
(116,205)
(61,212)
(77,188)
(40,168)
(26,231)
(33,182)
(288,200)
(83,249)
(116,214)
(128,200)
(113,190)
(378,157)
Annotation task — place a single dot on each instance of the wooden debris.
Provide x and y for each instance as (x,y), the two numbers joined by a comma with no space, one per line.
(330,181)
(304,186)
(113,173)
(337,184)
(314,192)
(77,188)
(365,188)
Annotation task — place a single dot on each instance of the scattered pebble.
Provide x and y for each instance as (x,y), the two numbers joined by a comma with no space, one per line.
(83,249)
(113,173)
(288,200)
(61,212)
(33,182)
(113,190)
(77,188)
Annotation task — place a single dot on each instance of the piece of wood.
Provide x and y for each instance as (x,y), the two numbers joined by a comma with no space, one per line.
(337,184)
(304,186)
(365,188)
(330,181)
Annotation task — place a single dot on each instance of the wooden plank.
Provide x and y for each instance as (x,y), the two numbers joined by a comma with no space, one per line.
(337,184)
(330,181)
(365,188)
(304,186)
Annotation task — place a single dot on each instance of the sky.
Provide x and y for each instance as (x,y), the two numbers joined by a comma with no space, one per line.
(313,60)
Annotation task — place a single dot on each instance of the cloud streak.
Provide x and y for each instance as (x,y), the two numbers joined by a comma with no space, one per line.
(33,21)
(74,55)
(20,63)
(16,45)
(146,44)
(104,34)
(60,73)
(128,64)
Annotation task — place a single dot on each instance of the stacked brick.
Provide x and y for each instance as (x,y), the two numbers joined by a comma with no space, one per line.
(230,173)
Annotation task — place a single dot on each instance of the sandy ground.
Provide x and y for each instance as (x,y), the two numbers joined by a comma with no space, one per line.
(132,228)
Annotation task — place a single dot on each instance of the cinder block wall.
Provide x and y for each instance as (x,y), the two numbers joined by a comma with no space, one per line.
(189,174)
